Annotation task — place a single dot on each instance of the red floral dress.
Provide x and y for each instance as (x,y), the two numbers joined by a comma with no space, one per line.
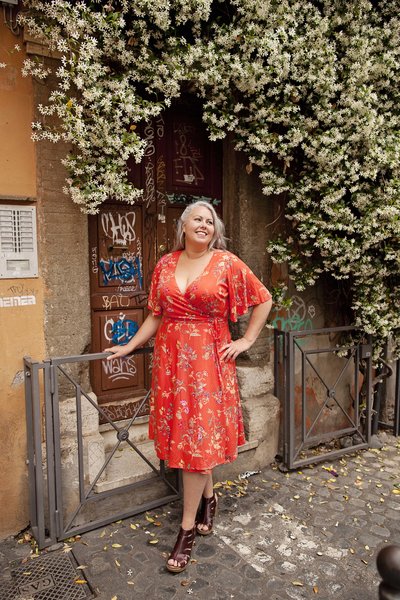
(195,415)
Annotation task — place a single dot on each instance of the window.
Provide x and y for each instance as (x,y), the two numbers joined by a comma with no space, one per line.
(18,242)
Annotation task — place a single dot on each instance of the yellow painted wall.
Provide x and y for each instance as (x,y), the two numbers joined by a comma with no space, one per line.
(17,152)
(21,327)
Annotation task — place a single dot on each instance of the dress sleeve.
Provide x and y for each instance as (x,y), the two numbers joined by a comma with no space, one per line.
(244,289)
(153,302)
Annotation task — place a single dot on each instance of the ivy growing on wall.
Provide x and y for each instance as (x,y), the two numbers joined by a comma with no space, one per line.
(310,90)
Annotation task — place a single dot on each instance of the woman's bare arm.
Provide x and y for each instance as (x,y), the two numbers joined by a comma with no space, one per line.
(256,323)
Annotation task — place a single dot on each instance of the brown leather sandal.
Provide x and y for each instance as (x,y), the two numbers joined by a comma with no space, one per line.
(182,550)
(208,511)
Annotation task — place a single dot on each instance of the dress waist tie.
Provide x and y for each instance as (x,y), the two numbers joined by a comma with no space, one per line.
(216,330)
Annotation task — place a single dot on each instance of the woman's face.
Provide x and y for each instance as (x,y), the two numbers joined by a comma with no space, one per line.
(199,226)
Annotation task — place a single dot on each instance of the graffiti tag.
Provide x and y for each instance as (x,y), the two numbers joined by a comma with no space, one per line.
(119,227)
(118,369)
(122,269)
(120,332)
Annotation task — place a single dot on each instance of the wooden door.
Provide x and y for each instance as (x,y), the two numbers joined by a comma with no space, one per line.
(180,166)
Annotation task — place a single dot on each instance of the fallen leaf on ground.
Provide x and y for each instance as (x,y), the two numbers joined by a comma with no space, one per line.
(298,583)
(116,545)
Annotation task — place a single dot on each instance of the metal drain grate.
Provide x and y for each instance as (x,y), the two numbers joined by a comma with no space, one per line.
(49,577)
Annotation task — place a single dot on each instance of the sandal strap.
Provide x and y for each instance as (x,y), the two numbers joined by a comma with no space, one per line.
(183,546)
(209,506)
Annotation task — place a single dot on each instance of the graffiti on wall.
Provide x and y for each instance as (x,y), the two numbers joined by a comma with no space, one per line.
(120,369)
(115,301)
(121,331)
(11,301)
(188,156)
(296,318)
(95,268)
(123,270)
(120,227)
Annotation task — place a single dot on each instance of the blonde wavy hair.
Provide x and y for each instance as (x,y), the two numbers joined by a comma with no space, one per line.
(218,240)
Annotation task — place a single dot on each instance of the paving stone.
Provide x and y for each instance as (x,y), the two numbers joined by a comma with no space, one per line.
(302,530)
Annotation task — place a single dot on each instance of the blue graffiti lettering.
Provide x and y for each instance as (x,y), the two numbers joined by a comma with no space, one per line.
(123,331)
(122,269)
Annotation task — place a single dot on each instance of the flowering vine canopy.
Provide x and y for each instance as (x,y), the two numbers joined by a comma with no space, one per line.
(309,88)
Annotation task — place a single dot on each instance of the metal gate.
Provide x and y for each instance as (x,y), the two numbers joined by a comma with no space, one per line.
(323,380)
(69,489)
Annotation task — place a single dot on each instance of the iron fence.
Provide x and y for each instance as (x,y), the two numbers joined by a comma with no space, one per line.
(68,491)
(323,380)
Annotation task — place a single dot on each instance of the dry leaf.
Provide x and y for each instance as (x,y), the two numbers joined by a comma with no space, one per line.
(114,598)
(116,545)
(82,567)
(297,583)
(185,582)
(315,589)
(117,563)
(80,581)
(153,541)
(130,582)
(149,519)
(132,526)
(103,533)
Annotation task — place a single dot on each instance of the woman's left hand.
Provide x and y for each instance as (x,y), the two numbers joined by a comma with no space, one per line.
(232,350)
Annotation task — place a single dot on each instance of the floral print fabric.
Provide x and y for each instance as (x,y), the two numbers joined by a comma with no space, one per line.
(195,415)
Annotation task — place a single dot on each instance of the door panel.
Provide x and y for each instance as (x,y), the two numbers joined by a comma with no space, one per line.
(180,166)
(117,328)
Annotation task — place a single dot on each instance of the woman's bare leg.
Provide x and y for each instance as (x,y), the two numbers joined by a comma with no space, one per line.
(193,488)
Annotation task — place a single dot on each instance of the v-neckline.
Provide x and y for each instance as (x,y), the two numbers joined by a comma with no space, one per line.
(196,278)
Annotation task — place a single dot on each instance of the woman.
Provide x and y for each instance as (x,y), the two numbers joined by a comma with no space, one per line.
(195,416)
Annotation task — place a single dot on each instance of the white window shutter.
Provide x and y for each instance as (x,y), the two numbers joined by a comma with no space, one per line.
(18,242)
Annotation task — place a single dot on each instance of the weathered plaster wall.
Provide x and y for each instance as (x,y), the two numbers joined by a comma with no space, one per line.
(63,250)
(21,331)
(249,217)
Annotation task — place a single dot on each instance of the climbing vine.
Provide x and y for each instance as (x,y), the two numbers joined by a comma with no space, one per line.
(310,90)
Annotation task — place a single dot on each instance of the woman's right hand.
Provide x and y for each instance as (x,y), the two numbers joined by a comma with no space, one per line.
(117,351)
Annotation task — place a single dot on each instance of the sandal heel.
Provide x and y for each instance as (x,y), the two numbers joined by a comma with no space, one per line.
(208,511)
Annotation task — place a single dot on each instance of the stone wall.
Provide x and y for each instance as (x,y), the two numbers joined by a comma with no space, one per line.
(63,250)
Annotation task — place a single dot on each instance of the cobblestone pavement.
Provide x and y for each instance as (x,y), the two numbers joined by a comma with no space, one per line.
(308,534)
